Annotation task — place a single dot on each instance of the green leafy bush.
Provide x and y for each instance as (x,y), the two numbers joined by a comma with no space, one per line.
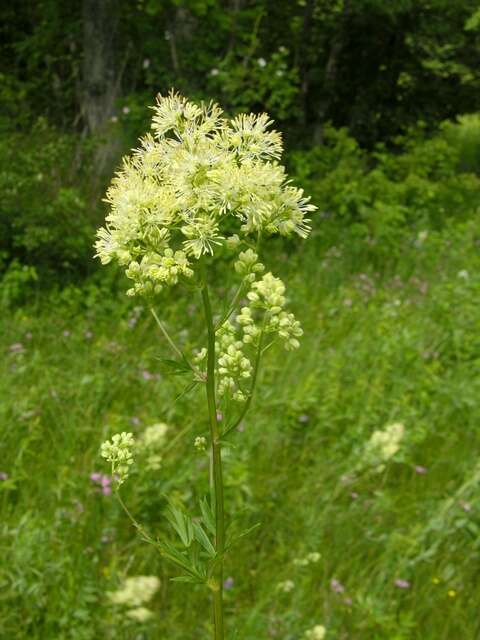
(383,196)
(44,219)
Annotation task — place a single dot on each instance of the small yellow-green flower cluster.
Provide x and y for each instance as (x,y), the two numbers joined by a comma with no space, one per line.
(134,593)
(200,443)
(264,314)
(155,270)
(318,632)
(267,294)
(118,452)
(181,194)
(150,444)
(233,365)
(382,446)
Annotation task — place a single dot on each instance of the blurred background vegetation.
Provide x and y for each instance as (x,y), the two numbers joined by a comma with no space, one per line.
(379,106)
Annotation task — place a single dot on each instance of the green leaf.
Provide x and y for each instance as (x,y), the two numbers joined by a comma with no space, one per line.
(203,539)
(189,579)
(175,367)
(187,389)
(182,523)
(208,516)
(234,537)
(169,552)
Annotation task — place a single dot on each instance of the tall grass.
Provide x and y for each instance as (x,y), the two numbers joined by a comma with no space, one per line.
(400,548)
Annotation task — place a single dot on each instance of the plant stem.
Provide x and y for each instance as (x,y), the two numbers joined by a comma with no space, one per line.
(217,585)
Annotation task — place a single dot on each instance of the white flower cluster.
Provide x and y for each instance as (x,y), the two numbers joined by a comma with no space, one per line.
(150,444)
(134,593)
(196,177)
(382,446)
(317,633)
(200,443)
(311,558)
(286,586)
(118,452)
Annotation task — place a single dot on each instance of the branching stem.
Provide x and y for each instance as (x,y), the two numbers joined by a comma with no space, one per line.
(216,448)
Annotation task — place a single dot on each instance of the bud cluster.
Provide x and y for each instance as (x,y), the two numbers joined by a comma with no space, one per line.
(118,452)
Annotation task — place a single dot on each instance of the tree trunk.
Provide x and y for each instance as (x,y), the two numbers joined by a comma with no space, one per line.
(330,76)
(100,78)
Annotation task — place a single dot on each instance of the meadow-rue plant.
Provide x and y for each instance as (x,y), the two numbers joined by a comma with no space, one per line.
(118,452)
(198,186)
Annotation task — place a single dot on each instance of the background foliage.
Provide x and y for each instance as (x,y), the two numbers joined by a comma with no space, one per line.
(378,103)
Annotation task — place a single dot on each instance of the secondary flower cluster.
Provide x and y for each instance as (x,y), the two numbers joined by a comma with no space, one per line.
(192,183)
(317,633)
(382,446)
(150,444)
(133,594)
(264,314)
(118,452)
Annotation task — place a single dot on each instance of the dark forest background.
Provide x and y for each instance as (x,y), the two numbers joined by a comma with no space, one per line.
(77,79)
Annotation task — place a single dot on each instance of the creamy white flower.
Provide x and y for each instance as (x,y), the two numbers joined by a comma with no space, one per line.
(317,633)
(382,446)
(135,591)
(286,586)
(170,202)
(140,614)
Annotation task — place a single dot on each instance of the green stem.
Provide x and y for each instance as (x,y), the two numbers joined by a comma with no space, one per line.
(217,584)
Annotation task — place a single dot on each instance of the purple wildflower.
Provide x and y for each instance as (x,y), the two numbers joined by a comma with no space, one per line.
(146,375)
(336,586)
(16,347)
(421,470)
(96,477)
(466,506)
(219,416)
(402,584)
(228,583)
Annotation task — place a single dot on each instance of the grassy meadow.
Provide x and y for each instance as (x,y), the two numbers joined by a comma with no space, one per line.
(390,340)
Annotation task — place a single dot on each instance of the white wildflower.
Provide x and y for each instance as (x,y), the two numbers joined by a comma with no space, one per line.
(383,445)
(153,436)
(286,586)
(317,633)
(135,591)
(140,614)
(314,556)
